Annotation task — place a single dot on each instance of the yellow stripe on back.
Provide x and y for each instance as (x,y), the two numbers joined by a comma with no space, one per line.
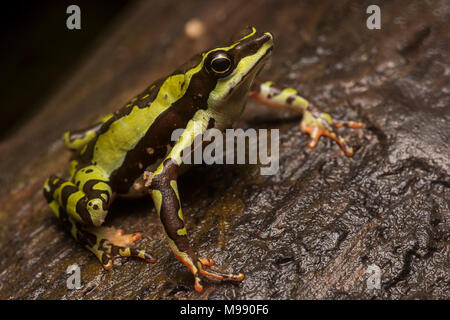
(124,134)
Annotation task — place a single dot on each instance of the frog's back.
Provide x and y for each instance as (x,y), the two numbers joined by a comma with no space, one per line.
(112,143)
(139,134)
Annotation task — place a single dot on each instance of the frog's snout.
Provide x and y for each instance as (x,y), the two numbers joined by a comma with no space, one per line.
(264,39)
(269,35)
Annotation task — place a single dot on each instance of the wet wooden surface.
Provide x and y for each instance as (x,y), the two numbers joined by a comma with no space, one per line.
(309,232)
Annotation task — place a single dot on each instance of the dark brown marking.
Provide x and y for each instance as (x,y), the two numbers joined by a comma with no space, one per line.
(53,186)
(81,208)
(290,99)
(170,205)
(160,132)
(92,193)
(249,46)
(66,191)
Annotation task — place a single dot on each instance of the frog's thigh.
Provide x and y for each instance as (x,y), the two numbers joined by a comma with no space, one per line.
(87,205)
(106,243)
(91,241)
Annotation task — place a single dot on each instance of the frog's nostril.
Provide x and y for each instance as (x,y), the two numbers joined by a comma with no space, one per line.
(269,35)
(265,37)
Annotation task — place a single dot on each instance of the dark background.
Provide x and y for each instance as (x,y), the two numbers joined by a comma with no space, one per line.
(39,52)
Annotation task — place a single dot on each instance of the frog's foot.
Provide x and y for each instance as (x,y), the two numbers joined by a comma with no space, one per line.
(206,262)
(203,265)
(318,124)
(111,243)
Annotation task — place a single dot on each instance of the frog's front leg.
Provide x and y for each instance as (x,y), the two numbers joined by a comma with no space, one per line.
(314,122)
(82,207)
(164,191)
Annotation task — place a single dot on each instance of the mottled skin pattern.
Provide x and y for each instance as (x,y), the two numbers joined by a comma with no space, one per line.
(130,153)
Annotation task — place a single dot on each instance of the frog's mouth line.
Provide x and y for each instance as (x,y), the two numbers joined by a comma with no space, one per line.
(263,60)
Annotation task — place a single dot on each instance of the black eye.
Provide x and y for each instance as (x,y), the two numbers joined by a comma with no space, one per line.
(220,63)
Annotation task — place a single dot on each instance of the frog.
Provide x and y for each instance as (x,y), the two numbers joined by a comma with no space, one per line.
(129,153)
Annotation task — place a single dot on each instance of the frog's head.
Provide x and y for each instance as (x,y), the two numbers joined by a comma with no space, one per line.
(225,74)
(234,69)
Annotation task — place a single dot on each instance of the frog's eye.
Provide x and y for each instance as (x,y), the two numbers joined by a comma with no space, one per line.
(220,63)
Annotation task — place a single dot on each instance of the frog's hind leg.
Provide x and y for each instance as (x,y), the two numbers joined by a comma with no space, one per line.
(86,204)
(108,243)
(83,214)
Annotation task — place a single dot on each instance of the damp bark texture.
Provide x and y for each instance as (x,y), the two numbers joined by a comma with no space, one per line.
(324,226)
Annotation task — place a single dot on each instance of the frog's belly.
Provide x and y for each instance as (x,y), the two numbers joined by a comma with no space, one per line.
(124,178)
(150,150)
(138,190)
